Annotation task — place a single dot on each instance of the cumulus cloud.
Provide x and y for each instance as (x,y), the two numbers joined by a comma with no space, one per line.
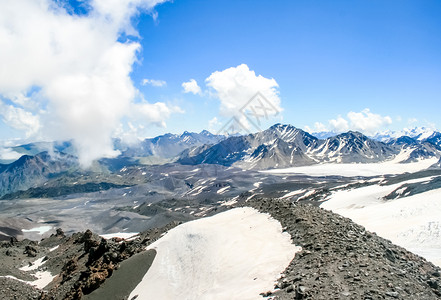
(7,154)
(20,119)
(368,122)
(235,87)
(339,124)
(156,113)
(79,65)
(191,87)
(154,82)
(365,121)
(213,124)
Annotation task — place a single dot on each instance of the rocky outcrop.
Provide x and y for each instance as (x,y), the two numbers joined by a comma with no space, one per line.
(88,260)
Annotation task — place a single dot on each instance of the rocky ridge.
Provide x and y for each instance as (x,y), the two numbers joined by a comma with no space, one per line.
(341,260)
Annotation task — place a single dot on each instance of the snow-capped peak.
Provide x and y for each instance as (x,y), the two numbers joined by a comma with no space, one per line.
(418,133)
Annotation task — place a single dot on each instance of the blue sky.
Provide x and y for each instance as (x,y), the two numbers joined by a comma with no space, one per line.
(328,57)
(362,65)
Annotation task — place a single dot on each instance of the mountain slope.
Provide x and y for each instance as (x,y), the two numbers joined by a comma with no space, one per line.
(260,150)
(283,146)
(29,171)
(353,147)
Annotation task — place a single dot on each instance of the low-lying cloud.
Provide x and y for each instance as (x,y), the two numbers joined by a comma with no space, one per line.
(67,76)
(365,121)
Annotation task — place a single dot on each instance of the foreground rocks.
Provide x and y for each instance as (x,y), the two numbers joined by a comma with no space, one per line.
(81,263)
(341,260)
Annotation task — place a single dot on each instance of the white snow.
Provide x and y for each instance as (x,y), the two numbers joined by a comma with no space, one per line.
(374,169)
(39,262)
(40,230)
(122,235)
(54,248)
(223,190)
(43,279)
(231,202)
(293,193)
(412,222)
(237,254)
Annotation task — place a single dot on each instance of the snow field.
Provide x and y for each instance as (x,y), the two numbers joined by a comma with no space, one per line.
(349,170)
(237,254)
(413,222)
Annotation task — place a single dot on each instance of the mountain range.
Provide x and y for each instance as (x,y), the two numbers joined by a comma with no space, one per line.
(279,146)
(285,146)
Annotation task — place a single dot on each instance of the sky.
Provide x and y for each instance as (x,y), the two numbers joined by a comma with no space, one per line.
(93,70)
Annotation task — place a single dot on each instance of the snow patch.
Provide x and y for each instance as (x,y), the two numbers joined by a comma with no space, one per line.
(40,230)
(43,279)
(223,190)
(236,254)
(374,169)
(293,193)
(35,265)
(54,248)
(122,235)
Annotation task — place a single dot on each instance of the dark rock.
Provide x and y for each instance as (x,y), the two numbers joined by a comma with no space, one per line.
(30,251)
(390,255)
(60,233)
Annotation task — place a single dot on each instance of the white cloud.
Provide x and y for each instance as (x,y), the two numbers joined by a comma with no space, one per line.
(154,82)
(9,154)
(364,121)
(368,122)
(320,127)
(78,65)
(213,124)
(191,87)
(339,124)
(235,86)
(20,119)
(156,113)
(412,120)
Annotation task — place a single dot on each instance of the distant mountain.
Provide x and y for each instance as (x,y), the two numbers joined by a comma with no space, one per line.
(324,134)
(418,133)
(435,139)
(414,149)
(352,147)
(29,171)
(278,146)
(284,146)
(38,147)
(170,145)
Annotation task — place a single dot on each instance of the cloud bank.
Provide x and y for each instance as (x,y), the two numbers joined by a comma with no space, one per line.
(365,121)
(68,76)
